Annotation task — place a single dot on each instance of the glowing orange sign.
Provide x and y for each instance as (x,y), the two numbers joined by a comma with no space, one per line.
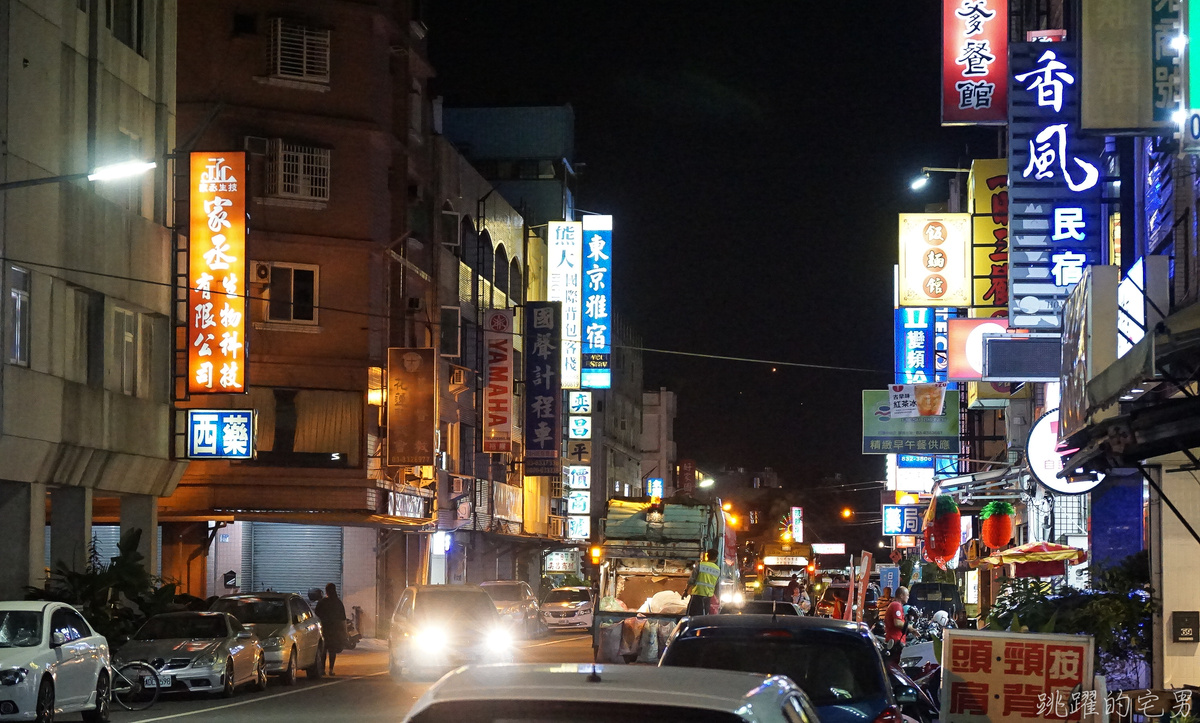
(217,274)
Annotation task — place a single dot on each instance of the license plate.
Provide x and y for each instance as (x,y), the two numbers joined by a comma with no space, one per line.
(162,681)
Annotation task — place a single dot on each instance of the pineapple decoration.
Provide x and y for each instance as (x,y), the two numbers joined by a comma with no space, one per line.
(997,524)
(943,529)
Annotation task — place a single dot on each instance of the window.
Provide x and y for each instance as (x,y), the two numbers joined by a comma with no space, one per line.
(292,294)
(125,350)
(295,171)
(18,315)
(299,52)
(125,19)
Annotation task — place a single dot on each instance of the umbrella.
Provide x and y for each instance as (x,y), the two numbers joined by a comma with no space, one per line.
(1037,559)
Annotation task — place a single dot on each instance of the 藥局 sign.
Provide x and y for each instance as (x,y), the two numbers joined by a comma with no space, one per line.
(1000,677)
(220,433)
(884,433)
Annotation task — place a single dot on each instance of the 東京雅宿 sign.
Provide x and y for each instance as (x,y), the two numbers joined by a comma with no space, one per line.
(596,352)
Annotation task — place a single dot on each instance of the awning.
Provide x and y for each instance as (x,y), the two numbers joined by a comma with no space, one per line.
(338,519)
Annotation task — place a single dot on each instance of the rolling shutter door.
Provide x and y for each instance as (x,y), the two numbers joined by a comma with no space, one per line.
(106,538)
(291,558)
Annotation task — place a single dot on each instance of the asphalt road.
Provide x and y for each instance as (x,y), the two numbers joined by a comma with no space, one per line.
(362,690)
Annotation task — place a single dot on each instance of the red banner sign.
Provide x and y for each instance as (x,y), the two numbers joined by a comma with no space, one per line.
(974,62)
(498,392)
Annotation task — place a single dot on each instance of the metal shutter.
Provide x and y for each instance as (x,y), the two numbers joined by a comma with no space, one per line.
(106,538)
(291,558)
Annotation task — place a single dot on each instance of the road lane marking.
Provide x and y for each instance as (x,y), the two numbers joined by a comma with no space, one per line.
(556,642)
(256,700)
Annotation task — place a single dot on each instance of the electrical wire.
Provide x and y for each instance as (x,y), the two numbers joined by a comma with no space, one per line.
(376,315)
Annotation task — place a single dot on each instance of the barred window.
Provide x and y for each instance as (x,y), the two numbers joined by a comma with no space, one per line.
(299,52)
(295,171)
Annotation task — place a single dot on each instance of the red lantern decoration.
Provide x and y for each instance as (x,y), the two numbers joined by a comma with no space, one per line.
(996,529)
(943,534)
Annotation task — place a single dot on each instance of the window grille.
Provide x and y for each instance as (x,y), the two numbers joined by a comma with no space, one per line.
(295,171)
(299,52)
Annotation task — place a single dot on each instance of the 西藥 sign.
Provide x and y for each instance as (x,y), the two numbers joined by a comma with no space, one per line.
(220,434)
(974,62)
(217,274)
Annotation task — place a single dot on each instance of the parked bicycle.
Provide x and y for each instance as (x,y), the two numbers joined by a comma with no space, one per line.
(135,685)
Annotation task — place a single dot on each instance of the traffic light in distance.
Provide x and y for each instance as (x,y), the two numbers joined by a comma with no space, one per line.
(846,512)
(812,568)
(596,552)
(759,566)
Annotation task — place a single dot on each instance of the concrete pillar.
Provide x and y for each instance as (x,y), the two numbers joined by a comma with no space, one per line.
(23,520)
(141,512)
(185,556)
(70,527)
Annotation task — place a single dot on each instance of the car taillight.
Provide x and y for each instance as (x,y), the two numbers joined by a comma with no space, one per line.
(890,714)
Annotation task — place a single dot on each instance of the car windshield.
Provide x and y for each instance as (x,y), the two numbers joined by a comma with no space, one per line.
(183,626)
(254,610)
(504,592)
(561,711)
(567,596)
(20,628)
(764,607)
(833,668)
(454,605)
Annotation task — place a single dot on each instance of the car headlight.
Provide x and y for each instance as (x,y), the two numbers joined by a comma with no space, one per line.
(13,676)
(273,643)
(499,640)
(430,639)
(207,660)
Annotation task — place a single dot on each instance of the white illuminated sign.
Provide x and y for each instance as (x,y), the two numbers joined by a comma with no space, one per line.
(1131,299)
(1045,459)
(579,402)
(565,284)
(580,428)
(577,477)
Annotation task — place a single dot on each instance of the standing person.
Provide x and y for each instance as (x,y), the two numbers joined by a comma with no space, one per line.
(792,587)
(802,600)
(703,585)
(895,626)
(332,614)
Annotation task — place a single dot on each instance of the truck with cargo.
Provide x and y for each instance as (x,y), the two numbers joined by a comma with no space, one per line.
(781,560)
(648,552)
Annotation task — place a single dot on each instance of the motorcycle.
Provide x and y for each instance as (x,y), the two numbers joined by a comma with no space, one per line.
(352,634)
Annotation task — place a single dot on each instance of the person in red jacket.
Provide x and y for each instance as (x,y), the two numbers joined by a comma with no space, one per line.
(894,624)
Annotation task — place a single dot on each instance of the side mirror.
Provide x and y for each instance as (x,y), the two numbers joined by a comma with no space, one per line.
(244,635)
(57,639)
(906,695)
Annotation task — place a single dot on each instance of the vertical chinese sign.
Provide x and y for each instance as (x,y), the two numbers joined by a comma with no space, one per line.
(1167,69)
(217,274)
(935,268)
(565,284)
(411,406)
(998,677)
(1054,185)
(974,62)
(988,192)
(596,367)
(498,385)
(543,392)
(915,354)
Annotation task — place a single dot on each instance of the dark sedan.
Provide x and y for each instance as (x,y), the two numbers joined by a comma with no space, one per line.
(835,662)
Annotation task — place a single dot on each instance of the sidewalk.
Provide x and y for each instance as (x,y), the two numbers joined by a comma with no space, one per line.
(368,657)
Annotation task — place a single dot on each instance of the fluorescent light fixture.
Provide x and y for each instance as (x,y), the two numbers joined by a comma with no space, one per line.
(121,170)
(1179,42)
(919,182)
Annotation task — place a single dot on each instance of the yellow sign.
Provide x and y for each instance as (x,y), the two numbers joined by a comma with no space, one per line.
(935,262)
(987,188)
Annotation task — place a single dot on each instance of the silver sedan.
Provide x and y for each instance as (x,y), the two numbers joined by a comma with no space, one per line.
(204,652)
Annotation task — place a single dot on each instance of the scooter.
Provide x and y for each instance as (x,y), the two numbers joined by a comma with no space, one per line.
(352,634)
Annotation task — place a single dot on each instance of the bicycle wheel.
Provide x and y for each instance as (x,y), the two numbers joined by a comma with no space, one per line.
(135,685)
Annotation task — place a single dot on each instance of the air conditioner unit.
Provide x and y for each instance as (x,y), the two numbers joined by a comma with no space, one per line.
(415,303)
(255,145)
(458,376)
(261,271)
(457,488)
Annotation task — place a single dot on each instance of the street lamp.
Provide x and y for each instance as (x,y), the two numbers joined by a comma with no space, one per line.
(111,172)
(705,482)
(847,513)
(923,180)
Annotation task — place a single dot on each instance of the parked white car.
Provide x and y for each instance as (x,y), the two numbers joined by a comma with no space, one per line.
(567,607)
(583,692)
(51,661)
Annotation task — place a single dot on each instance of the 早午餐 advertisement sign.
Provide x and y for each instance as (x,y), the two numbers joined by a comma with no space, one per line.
(884,433)
(217,274)
(498,387)
(935,259)
(1002,677)
(974,62)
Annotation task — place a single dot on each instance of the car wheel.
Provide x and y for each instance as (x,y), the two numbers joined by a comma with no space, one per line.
(44,712)
(99,714)
(260,675)
(228,689)
(289,676)
(317,668)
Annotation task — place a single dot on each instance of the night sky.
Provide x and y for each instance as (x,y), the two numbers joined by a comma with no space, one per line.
(754,156)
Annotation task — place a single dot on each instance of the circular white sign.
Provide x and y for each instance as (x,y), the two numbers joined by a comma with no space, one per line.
(1045,460)
(975,343)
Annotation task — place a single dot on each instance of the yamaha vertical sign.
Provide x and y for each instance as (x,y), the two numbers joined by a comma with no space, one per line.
(1055,181)
(543,388)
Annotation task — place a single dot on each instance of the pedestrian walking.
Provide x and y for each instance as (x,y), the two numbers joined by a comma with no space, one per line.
(895,625)
(703,585)
(332,614)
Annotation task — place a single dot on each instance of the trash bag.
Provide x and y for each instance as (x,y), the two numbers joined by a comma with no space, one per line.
(665,599)
(610,643)
(631,636)
(610,604)
(664,634)
(648,649)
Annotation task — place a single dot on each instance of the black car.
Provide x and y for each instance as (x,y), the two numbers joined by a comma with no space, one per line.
(437,628)
(836,662)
